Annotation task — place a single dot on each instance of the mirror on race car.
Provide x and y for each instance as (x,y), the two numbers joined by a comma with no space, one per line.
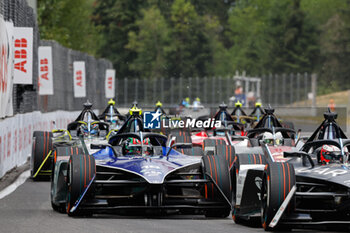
(179,145)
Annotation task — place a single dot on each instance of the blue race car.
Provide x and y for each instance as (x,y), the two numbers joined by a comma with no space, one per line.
(139,172)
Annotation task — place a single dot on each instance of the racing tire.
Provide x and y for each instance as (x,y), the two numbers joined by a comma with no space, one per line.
(80,171)
(242,159)
(58,179)
(41,146)
(216,167)
(182,135)
(210,144)
(58,208)
(194,151)
(278,180)
(227,152)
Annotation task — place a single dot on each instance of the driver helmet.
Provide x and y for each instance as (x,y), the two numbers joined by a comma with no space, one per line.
(279,139)
(271,140)
(112,119)
(89,132)
(330,153)
(132,146)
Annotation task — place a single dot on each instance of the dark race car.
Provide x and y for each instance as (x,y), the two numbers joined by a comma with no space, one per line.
(47,146)
(112,116)
(250,160)
(309,189)
(213,134)
(139,173)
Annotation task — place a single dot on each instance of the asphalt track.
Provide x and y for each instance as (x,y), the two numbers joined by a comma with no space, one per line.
(28,209)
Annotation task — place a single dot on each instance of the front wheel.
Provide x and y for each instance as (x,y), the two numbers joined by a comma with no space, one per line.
(278,180)
(220,188)
(81,169)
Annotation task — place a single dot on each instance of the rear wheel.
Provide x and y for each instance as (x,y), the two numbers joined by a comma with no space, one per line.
(278,180)
(182,135)
(227,152)
(210,144)
(41,146)
(81,169)
(196,151)
(218,170)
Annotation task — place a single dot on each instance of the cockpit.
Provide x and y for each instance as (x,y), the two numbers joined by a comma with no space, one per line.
(138,144)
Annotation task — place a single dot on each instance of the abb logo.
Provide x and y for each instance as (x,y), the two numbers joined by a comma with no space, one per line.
(79,78)
(44,67)
(110,82)
(3,69)
(21,47)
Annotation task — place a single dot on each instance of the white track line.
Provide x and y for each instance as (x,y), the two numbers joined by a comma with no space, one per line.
(12,187)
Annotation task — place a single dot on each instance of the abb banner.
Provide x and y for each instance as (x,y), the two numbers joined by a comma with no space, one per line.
(6,68)
(16,135)
(110,83)
(45,80)
(23,63)
(79,80)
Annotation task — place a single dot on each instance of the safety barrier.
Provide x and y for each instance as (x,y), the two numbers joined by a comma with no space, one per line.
(17,132)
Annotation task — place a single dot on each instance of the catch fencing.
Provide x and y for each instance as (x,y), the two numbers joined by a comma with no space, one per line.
(277,90)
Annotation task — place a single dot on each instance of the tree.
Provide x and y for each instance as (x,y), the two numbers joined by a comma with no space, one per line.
(335,53)
(247,27)
(190,50)
(294,44)
(68,22)
(150,43)
(117,18)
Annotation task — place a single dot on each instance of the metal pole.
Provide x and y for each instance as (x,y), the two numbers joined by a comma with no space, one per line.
(306,76)
(172,90)
(298,86)
(291,88)
(213,90)
(154,90)
(276,90)
(269,88)
(228,88)
(146,91)
(198,94)
(258,91)
(137,89)
(219,88)
(189,88)
(162,89)
(205,90)
(284,89)
(125,91)
(263,89)
(314,89)
(180,88)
